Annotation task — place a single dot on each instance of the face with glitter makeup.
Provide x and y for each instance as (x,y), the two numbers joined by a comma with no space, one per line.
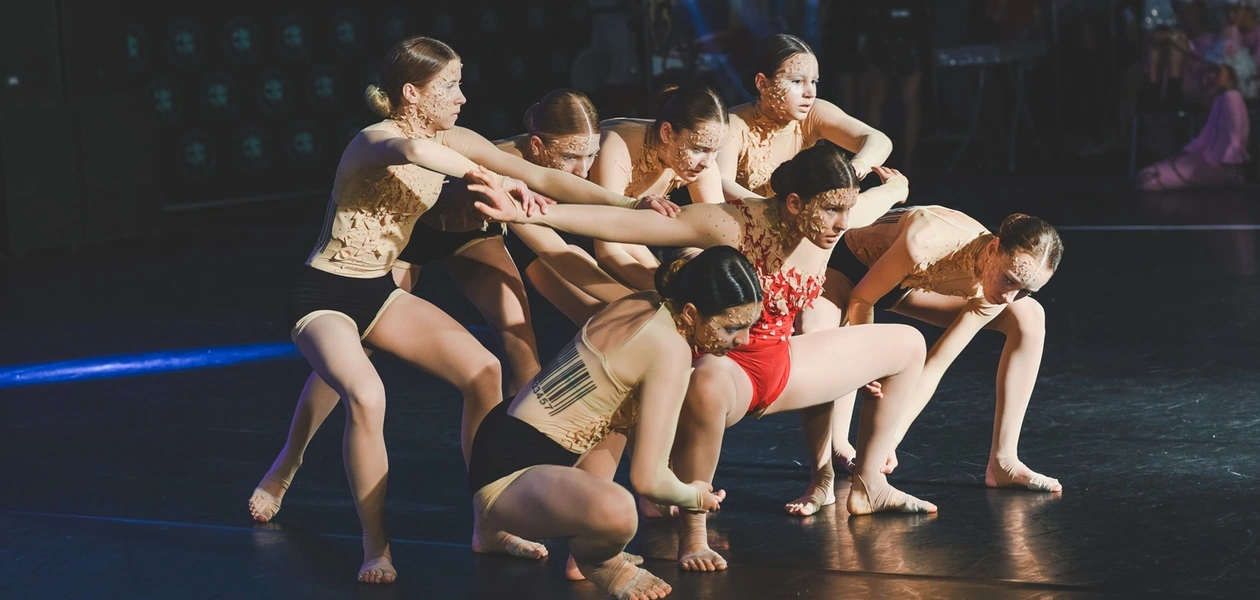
(688,152)
(789,94)
(719,333)
(436,104)
(1009,277)
(825,217)
(572,154)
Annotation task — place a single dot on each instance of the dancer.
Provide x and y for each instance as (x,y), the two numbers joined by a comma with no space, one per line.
(787,117)
(627,367)
(641,158)
(1218,154)
(788,238)
(376,199)
(942,267)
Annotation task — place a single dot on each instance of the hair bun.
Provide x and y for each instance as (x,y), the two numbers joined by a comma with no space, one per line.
(378,100)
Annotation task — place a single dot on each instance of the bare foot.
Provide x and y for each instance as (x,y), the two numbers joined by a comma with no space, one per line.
(882,497)
(625,581)
(821,492)
(264,503)
(573,573)
(1009,472)
(379,569)
(502,542)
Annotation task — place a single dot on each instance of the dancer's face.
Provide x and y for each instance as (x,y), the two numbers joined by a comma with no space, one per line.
(823,218)
(438,102)
(572,154)
(724,331)
(1009,277)
(688,152)
(791,91)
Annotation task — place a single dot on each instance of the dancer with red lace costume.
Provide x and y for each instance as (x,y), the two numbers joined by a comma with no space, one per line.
(788,238)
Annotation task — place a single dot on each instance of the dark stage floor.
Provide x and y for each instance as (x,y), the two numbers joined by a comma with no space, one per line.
(1146,410)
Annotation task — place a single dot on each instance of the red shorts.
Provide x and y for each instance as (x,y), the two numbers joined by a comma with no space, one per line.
(768,365)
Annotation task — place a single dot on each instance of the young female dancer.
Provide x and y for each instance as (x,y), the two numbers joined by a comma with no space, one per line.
(627,367)
(788,239)
(942,267)
(787,117)
(641,158)
(377,196)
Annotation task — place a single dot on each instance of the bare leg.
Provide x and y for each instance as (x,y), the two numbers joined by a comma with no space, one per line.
(1023,324)
(717,398)
(816,422)
(486,274)
(331,344)
(596,515)
(890,354)
(314,405)
(572,301)
(601,461)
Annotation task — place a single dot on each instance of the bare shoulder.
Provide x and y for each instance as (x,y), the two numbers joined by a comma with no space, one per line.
(513,145)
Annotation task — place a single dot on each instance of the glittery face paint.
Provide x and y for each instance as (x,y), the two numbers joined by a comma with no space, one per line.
(572,154)
(791,91)
(438,105)
(693,150)
(1009,277)
(824,214)
(724,332)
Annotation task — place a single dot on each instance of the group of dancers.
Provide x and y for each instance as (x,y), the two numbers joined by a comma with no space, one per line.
(767,306)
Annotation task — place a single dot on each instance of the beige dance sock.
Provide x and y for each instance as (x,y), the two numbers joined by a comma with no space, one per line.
(821,492)
(694,553)
(623,580)
(1011,473)
(885,498)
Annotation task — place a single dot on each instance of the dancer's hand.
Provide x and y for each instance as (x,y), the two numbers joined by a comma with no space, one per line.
(497,205)
(891,176)
(531,201)
(709,501)
(660,204)
(875,390)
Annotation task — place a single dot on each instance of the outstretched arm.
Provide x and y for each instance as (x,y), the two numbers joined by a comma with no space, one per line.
(886,274)
(384,148)
(698,225)
(550,182)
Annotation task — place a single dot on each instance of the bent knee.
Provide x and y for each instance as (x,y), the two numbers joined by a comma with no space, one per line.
(365,398)
(617,515)
(709,394)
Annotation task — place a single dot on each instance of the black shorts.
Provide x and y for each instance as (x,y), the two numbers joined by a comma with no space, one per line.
(505,444)
(430,244)
(843,260)
(319,292)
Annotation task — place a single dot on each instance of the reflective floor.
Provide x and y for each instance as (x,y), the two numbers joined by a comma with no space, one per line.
(1146,409)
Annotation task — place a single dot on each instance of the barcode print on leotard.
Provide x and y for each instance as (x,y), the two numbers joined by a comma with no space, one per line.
(566,381)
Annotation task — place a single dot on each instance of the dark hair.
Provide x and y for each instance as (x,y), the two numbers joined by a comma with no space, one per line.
(562,112)
(814,170)
(415,60)
(688,107)
(1022,233)
(715,280)
(773,51)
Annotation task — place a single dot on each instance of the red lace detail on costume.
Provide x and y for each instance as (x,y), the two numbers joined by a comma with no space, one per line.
(786,291)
